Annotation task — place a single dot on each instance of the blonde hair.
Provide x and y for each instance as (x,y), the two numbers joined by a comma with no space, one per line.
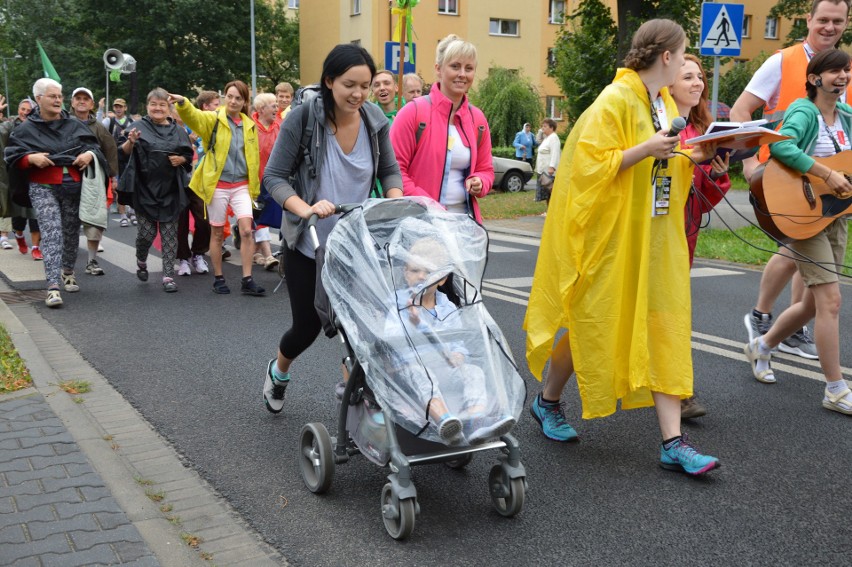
(263,100)
(652,39)
(284,87)
(453,48)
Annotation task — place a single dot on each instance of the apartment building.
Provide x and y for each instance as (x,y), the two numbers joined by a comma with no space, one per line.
(508,33)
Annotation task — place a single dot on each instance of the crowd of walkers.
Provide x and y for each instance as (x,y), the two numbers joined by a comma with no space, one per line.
(622,222)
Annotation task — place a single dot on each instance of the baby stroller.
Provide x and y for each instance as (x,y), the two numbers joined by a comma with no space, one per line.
(404,360)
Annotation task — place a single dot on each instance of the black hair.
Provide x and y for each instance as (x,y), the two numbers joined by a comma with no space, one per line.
(827,60)
(339,60)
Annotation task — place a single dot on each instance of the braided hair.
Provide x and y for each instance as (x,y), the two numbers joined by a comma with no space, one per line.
(652,39)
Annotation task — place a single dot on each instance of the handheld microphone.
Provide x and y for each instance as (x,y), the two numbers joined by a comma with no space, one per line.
(677,125)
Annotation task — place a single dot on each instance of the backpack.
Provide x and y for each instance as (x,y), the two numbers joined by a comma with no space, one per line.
(117,130)
(422,119)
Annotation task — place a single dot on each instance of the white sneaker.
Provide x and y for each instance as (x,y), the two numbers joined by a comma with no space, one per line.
(199,264)
(183,269)
(5,244)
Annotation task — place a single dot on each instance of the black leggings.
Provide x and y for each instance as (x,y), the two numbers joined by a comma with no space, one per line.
(20,223)
(301,275)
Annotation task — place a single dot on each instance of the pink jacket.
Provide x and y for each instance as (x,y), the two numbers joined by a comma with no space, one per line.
(422,165)
(712,195)
(266,139)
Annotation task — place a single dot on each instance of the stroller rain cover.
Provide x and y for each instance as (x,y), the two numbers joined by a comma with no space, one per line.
(420,347)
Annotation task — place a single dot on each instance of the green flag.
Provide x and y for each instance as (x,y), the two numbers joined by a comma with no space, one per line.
(49,71)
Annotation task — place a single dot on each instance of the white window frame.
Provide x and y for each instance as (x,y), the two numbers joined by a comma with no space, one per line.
(553,111)
(557,16)
(499,22)
(356,8)
(445,7)
(293,4)
(747,25)
(770,30)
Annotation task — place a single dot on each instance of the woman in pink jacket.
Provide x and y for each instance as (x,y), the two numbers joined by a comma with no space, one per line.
(441,141)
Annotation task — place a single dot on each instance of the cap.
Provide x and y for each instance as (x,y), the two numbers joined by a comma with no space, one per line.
(119,101)
(82,90)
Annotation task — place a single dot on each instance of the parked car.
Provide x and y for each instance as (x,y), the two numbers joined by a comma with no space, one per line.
(511,174)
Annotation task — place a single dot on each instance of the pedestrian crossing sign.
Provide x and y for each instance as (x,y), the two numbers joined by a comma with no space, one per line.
(721,29)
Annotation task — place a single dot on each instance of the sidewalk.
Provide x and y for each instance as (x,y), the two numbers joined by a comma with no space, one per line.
(85,479)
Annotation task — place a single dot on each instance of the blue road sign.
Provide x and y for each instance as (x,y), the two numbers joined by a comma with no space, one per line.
(392,57)
(721,29)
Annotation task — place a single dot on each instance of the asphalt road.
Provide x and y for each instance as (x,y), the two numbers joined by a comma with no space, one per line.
(193,363)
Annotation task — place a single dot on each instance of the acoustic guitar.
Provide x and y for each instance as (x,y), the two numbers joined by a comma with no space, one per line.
(790,205)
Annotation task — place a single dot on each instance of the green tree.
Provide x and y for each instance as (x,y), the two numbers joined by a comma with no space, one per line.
(632,13)
(508,99)
(733,83)
(277,45)
(584,55)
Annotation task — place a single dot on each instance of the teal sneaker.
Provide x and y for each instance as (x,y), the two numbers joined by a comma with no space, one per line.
(551,417)
(682,456)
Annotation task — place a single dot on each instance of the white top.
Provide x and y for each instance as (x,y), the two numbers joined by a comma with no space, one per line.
(454,195)
(549,152)
(766,82)
(824,146)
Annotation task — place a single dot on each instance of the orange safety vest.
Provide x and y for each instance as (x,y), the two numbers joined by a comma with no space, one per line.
(794,66)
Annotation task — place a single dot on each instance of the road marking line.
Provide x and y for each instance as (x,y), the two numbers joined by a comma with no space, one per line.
(711,272)
(775,365)
(122,255)
(503,237)
(513,284)
(497,249)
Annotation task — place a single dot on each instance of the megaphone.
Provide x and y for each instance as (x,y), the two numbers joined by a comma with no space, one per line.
(113,59)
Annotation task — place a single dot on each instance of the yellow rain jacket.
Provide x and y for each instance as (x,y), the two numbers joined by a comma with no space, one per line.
(617,278)
(208,171)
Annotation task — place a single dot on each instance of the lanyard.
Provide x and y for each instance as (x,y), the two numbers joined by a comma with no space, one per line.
(837,149)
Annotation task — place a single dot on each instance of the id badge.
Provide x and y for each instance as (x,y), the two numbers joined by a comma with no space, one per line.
(662,194)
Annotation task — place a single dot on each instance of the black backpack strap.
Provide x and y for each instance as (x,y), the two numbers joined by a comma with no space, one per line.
(308,120)
(212,142)
(421,124)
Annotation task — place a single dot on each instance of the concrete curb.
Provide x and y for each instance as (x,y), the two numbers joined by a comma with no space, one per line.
(124,449)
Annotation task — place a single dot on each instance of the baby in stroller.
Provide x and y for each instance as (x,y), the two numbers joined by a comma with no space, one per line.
(455,396)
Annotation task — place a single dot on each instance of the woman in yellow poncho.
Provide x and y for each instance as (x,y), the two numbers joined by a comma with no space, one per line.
(613,266)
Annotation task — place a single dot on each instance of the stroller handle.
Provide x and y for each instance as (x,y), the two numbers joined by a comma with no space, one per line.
(312,221)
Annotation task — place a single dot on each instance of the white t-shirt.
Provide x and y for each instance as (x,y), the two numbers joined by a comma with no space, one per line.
(824,145)
(549,153)
(454,194)
(766,82)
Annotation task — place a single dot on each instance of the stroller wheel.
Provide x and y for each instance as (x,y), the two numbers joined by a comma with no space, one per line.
(461,462)
(316,459)
(398,515)
(507,494)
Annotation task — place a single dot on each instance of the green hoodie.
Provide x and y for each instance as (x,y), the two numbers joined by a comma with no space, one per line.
(801,123)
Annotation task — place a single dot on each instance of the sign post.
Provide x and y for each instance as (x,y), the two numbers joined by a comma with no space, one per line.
(721,36)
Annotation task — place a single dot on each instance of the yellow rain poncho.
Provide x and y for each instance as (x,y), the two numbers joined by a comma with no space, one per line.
(607,270)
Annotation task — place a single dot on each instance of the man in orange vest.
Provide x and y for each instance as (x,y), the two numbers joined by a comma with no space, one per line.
(778,82)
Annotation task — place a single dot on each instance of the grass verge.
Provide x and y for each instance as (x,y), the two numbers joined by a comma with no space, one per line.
(13,372)
(505,205)
(742,245)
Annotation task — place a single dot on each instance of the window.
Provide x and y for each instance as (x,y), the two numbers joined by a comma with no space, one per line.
(356,7)
(771,31)
(503,27)
(554,107)
(557,11)
(800,29)
(747,25)
(551,58)
(448,7)
(293,4)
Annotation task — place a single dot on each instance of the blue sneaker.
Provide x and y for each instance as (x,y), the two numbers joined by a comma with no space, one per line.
(552,420)
(682,456)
